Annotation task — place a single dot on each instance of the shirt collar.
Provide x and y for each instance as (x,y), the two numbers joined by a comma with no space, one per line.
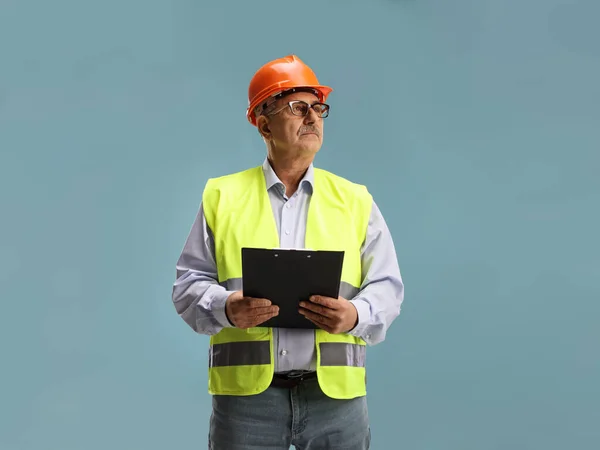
(272,179)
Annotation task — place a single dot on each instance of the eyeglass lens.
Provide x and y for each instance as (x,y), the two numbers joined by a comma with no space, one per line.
(300,108)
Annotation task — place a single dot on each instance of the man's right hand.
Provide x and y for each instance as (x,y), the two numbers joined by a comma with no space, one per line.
(246,312)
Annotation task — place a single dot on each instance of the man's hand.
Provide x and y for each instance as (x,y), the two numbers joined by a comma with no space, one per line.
(246,312)
(330,314)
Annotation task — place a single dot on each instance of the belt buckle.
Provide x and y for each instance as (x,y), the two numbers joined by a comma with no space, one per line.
(297,376)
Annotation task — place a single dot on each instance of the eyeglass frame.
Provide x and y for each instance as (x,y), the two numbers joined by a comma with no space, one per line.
(310,106)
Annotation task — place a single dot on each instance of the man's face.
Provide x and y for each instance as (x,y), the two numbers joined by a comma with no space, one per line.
(293,135)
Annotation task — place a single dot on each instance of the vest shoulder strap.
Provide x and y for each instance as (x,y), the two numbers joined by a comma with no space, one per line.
(355,195)
(227,188)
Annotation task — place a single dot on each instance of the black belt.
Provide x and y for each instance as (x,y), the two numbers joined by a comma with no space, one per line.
(290,380)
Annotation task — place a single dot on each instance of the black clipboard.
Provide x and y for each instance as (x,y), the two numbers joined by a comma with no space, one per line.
(286,277)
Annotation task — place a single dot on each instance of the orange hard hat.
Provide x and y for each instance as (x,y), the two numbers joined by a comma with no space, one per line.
(282,75)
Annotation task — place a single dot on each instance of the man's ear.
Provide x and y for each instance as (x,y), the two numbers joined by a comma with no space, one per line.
(263,127)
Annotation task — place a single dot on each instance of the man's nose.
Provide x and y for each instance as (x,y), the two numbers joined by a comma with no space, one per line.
(311,117)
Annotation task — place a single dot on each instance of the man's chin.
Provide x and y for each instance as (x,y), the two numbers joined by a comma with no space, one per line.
(313,150)
(310,141)
(309,149)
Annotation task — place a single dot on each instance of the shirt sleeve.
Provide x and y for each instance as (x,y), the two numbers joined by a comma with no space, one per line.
(198,297)
(382,291)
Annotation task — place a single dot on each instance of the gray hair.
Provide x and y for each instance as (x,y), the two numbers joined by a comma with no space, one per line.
(266,107)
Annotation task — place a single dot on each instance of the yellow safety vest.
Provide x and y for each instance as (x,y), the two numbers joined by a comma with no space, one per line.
(238,211)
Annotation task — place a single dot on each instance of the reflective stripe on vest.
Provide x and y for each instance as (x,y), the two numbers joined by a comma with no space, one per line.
(256,353)
(238,211)
(239,354)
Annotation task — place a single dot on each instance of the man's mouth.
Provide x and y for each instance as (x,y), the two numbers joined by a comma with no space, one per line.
(315,132)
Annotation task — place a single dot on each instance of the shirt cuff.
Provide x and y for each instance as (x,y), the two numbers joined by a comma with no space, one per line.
(364,311)
(217,306)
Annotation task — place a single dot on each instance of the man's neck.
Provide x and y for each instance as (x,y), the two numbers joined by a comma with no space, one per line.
(290,172)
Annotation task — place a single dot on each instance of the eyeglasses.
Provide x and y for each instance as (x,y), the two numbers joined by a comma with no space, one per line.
(301,108)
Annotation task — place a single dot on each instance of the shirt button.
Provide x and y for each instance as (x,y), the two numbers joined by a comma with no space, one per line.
(287,231)
(287,205)
(368,336)
(284,352)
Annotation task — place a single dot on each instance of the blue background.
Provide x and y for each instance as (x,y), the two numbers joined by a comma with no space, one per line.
(474,123)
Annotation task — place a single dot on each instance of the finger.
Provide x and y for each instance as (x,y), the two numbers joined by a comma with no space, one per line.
(327,312)
(316,317)
(320,325)
(260,319)
(250,314)
(256,302)
(327,302)
(255,312)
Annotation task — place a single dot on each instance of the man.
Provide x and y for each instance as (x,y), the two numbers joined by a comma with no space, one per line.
(271,387)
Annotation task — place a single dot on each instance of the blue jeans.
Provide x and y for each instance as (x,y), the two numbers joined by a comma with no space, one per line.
(302,416)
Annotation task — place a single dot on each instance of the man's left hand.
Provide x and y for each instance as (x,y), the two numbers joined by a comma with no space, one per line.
(330,314)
